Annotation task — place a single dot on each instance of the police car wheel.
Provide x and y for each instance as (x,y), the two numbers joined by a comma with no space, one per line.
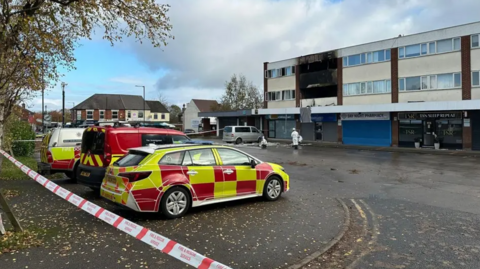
(272,189)
(175,202)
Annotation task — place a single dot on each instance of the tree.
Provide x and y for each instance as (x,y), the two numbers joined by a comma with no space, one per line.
(175,112)
(239,94)
(39,36)
(162,99)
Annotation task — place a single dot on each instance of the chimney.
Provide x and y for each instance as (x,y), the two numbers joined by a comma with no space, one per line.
(23,105)
(183,109)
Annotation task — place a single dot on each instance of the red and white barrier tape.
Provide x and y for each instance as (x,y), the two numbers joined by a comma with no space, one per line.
(153,239)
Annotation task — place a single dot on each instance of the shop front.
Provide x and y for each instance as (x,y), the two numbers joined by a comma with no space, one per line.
(367,129)
(325,127)
(426,127)
(280,126)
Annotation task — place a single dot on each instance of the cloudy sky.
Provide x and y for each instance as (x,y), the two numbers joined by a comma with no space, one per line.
(217,38)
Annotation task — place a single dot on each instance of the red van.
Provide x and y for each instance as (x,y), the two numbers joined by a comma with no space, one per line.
(104,145)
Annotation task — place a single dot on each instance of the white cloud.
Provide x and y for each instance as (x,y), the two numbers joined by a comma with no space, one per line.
(216,38)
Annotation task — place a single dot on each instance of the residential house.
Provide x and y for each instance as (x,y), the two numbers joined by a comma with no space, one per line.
(131,108)
(191,120)
(25,115)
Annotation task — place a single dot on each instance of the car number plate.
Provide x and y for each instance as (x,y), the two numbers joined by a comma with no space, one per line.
(111,180)
(85,174)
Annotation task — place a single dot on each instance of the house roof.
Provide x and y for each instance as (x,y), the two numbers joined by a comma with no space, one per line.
(205,105)
(113,101)
(156,106)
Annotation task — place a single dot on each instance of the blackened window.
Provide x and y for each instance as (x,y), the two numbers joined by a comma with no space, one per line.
(157,139)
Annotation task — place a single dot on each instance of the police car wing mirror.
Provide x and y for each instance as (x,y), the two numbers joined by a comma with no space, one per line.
(54,144)
(253,163)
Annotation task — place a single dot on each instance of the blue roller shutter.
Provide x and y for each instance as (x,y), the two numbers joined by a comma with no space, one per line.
(367,133)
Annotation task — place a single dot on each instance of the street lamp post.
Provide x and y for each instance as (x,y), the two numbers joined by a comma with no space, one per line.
(43,113)
(143,102)
(63,103)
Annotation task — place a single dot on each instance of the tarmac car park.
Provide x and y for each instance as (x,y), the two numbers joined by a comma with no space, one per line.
(173,178)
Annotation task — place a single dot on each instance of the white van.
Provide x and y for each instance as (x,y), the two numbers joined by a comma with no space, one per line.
(240,134)
(60,152)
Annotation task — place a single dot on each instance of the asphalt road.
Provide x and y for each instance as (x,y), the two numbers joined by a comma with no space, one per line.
(408,211)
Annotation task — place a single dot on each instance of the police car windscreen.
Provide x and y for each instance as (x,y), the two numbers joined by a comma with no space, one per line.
(93,142)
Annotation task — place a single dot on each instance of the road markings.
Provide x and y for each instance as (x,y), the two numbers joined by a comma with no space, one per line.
(374,233)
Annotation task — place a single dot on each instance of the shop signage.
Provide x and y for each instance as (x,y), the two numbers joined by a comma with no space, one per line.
(434,115)
(281,117)
(324,117)
(366,116)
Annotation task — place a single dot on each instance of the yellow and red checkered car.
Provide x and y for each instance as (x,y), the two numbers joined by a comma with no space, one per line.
(151,179)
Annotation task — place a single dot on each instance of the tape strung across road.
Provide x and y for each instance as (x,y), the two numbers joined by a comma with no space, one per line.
(143,234)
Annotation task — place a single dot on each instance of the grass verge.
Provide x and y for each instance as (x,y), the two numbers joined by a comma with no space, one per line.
(10,171)
(11,241)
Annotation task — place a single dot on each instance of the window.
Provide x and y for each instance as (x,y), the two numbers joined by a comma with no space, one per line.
(441,81)
(155,116)
(288,95)
(444,45)
(242,129)
(129,114)
(89,114)
(187,159)
(180,139)
(476,78)
(401,53)
(387,55)
(79,115)
(278,95)
(354,60)
(140,114)
(174,158)
(369,87)
(115,114)
(233,157)
(274,73)
(412,51)
(345,61)
(475,41)
(457,81)
(424,49)
(163,116)
(288,71)
(102,114)
(412,83)
(379,86)
(379,56)
(362,58)
(157,139)
(431,48)
(369,57)
(202,157)
(440,46)
(133,158)
(456,44)
(255,130)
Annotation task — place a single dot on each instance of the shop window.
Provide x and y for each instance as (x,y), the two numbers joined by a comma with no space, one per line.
(450,132)
(409,131)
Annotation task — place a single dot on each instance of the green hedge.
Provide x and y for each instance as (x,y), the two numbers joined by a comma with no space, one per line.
(15,129)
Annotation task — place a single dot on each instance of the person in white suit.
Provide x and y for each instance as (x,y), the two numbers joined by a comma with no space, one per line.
(295,137)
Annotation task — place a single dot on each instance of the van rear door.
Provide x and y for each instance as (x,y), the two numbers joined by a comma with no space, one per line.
(227,132)
(93,142)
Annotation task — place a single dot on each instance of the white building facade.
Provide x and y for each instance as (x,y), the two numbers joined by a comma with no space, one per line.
(418,88)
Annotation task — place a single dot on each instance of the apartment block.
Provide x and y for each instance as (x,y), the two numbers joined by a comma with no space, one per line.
(422,88)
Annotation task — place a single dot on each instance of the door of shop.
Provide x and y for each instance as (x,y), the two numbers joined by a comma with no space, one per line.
(475,125)
(367,133)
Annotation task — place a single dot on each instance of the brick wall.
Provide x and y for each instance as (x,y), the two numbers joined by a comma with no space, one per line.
(84,114)
(394,122)
(121,114)
(466,69)
(108,114)
(96,114)
(298,93)
(394,76)
(340,82)
(265,85)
